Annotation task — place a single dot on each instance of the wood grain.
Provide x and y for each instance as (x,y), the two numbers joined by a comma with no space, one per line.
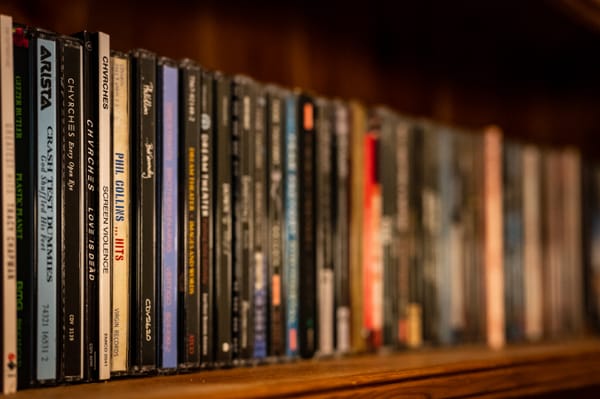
(465,63)
(430,373)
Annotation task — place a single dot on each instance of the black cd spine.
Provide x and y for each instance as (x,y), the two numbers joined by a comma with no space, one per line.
(144,321)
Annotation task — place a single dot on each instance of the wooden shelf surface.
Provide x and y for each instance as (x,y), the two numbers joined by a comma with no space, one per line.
(430,373)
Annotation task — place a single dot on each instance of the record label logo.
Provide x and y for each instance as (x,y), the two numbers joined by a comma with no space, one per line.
(205,122)
(12,364)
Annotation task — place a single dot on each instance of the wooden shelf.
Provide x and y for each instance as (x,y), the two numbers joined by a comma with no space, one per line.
(516,371)
(538,81)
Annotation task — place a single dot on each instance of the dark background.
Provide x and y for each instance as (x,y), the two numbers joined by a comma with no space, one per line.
(532,67)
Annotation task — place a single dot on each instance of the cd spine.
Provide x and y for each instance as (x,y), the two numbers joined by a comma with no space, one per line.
(444,278)
(207,212)
(26,193)
(494,276)
(403,226)
(121,239)
(471,169)
(430,207)
(290,265)
(513,239)
(414,311)
(190,144)
(341,228)
(72,210)
(372,265)
(223,223)
(168,84)
(47,206)
(91,187)
(532,248)
(307,273)
(388,171)
(144,320)
(244,206)
(259,261)
(357,186)
(237,92)
(9,240)
(325,279)
(105,211)
(275,142)
(572,172)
